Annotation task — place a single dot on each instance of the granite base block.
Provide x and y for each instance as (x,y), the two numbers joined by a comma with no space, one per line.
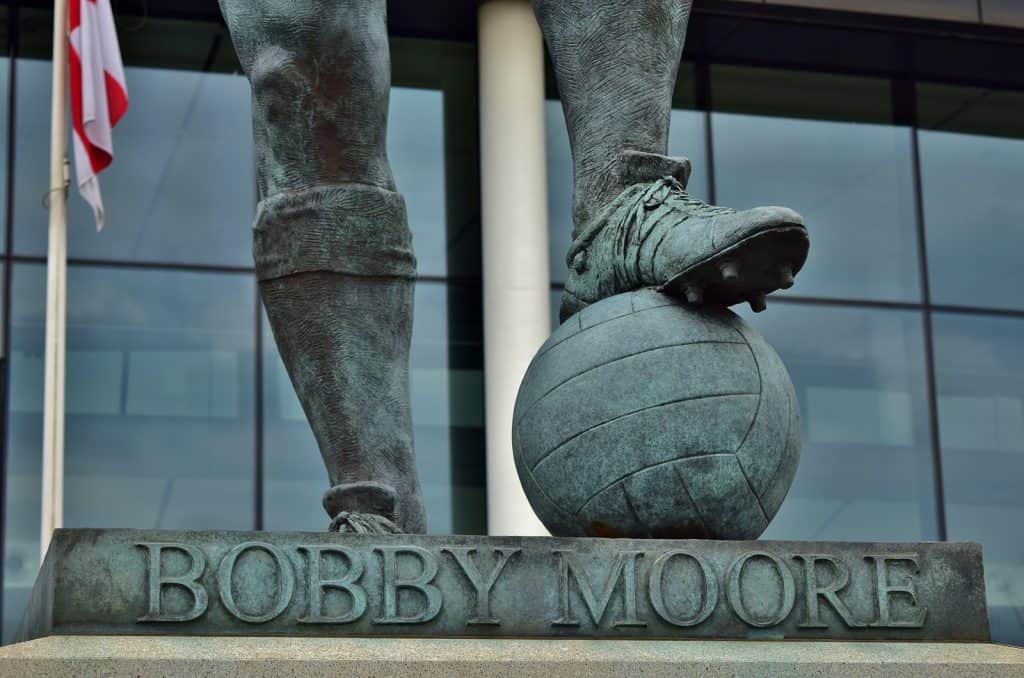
(150,656)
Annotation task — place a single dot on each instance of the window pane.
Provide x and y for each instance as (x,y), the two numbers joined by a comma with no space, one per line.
(970,109)
(853,184)
(181,187)
(686,138)
(434,150)
(159,428)
(973,210)
(866,470)
(980,382)
(416,152)
(800,94)
(447,408)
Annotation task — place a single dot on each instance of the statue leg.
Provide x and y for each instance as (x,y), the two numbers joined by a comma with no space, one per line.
(332,246)
(635,226)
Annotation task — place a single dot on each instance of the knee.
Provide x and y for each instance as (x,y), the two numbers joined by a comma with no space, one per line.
(255,24)
(278,82)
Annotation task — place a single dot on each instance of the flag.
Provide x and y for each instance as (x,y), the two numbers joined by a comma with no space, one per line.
(99,98)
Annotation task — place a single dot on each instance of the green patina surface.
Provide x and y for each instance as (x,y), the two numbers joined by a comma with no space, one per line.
(244,583)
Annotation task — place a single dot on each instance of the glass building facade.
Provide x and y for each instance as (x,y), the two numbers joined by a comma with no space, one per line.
(902,334)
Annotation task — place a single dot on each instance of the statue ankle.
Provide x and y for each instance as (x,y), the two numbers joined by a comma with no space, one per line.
(361,498)
(638,167)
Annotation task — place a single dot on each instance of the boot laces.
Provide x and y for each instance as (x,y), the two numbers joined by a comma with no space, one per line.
(666,188)
(638,223)
(634,226)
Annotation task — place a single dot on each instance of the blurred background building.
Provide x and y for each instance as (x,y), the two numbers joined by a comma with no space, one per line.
(895,127)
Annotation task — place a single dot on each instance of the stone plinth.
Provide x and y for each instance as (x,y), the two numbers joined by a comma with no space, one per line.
(83,656)
(132,582)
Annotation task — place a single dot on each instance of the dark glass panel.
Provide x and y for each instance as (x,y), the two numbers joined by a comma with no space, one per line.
(182,185)
(800,94)
(159,407)
(980,381)
(973,212)
(974,110)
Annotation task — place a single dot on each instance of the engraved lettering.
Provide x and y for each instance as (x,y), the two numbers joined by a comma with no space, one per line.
(708,589)
(883,591)
(421,582)
(347,583)
(813,589)
(285,582)
(464,557)
(735,594)
(623,568)
(188,581)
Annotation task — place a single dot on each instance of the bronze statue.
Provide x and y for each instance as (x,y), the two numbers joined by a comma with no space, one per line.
(332,246)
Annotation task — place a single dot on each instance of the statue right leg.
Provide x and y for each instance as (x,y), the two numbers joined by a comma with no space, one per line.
(331,243)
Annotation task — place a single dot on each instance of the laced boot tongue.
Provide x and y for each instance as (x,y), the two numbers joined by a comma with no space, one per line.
(637,167)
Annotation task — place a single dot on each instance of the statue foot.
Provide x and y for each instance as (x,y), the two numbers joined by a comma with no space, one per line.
(361,508)
(654,234)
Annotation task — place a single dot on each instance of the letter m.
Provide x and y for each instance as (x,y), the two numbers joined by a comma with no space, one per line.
(623,568)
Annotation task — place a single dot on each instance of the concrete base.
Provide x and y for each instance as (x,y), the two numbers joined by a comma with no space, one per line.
(81,656)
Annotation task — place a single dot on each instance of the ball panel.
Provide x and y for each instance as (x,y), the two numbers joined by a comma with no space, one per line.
(663,505)
(727,504)
(564,331)
(557,521)
(631,384)
(766,449)
(778,488)
(598,458)
(668,326)
(614,464)
(609,515)
(612,307)
(647,298)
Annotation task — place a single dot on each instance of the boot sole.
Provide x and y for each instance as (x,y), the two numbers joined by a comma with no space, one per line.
(746,271)
(759,262)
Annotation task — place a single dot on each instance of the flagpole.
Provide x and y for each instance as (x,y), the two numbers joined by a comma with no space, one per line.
(56,289)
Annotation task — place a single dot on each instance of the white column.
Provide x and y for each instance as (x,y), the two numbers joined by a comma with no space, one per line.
(513,181)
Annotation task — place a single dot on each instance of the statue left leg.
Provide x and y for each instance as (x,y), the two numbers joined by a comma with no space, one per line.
(635,226)
(332,246)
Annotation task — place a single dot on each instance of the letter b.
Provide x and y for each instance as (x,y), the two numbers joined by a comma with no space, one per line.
(188,581)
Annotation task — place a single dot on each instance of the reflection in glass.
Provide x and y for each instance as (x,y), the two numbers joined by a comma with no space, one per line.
(182,187)
(952,108)
(800,94)
(866,470)
(686,138)
(447,410)
(416,152)
(973,211)
(159,428)
(980,381)
(853,184)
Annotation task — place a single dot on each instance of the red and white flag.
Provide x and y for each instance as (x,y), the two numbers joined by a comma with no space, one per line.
(98,95)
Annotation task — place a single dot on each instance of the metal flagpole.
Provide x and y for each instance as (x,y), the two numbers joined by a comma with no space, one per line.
(56,288)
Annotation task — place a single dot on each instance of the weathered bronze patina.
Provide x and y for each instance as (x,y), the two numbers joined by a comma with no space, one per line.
(332,246)
(246,583)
